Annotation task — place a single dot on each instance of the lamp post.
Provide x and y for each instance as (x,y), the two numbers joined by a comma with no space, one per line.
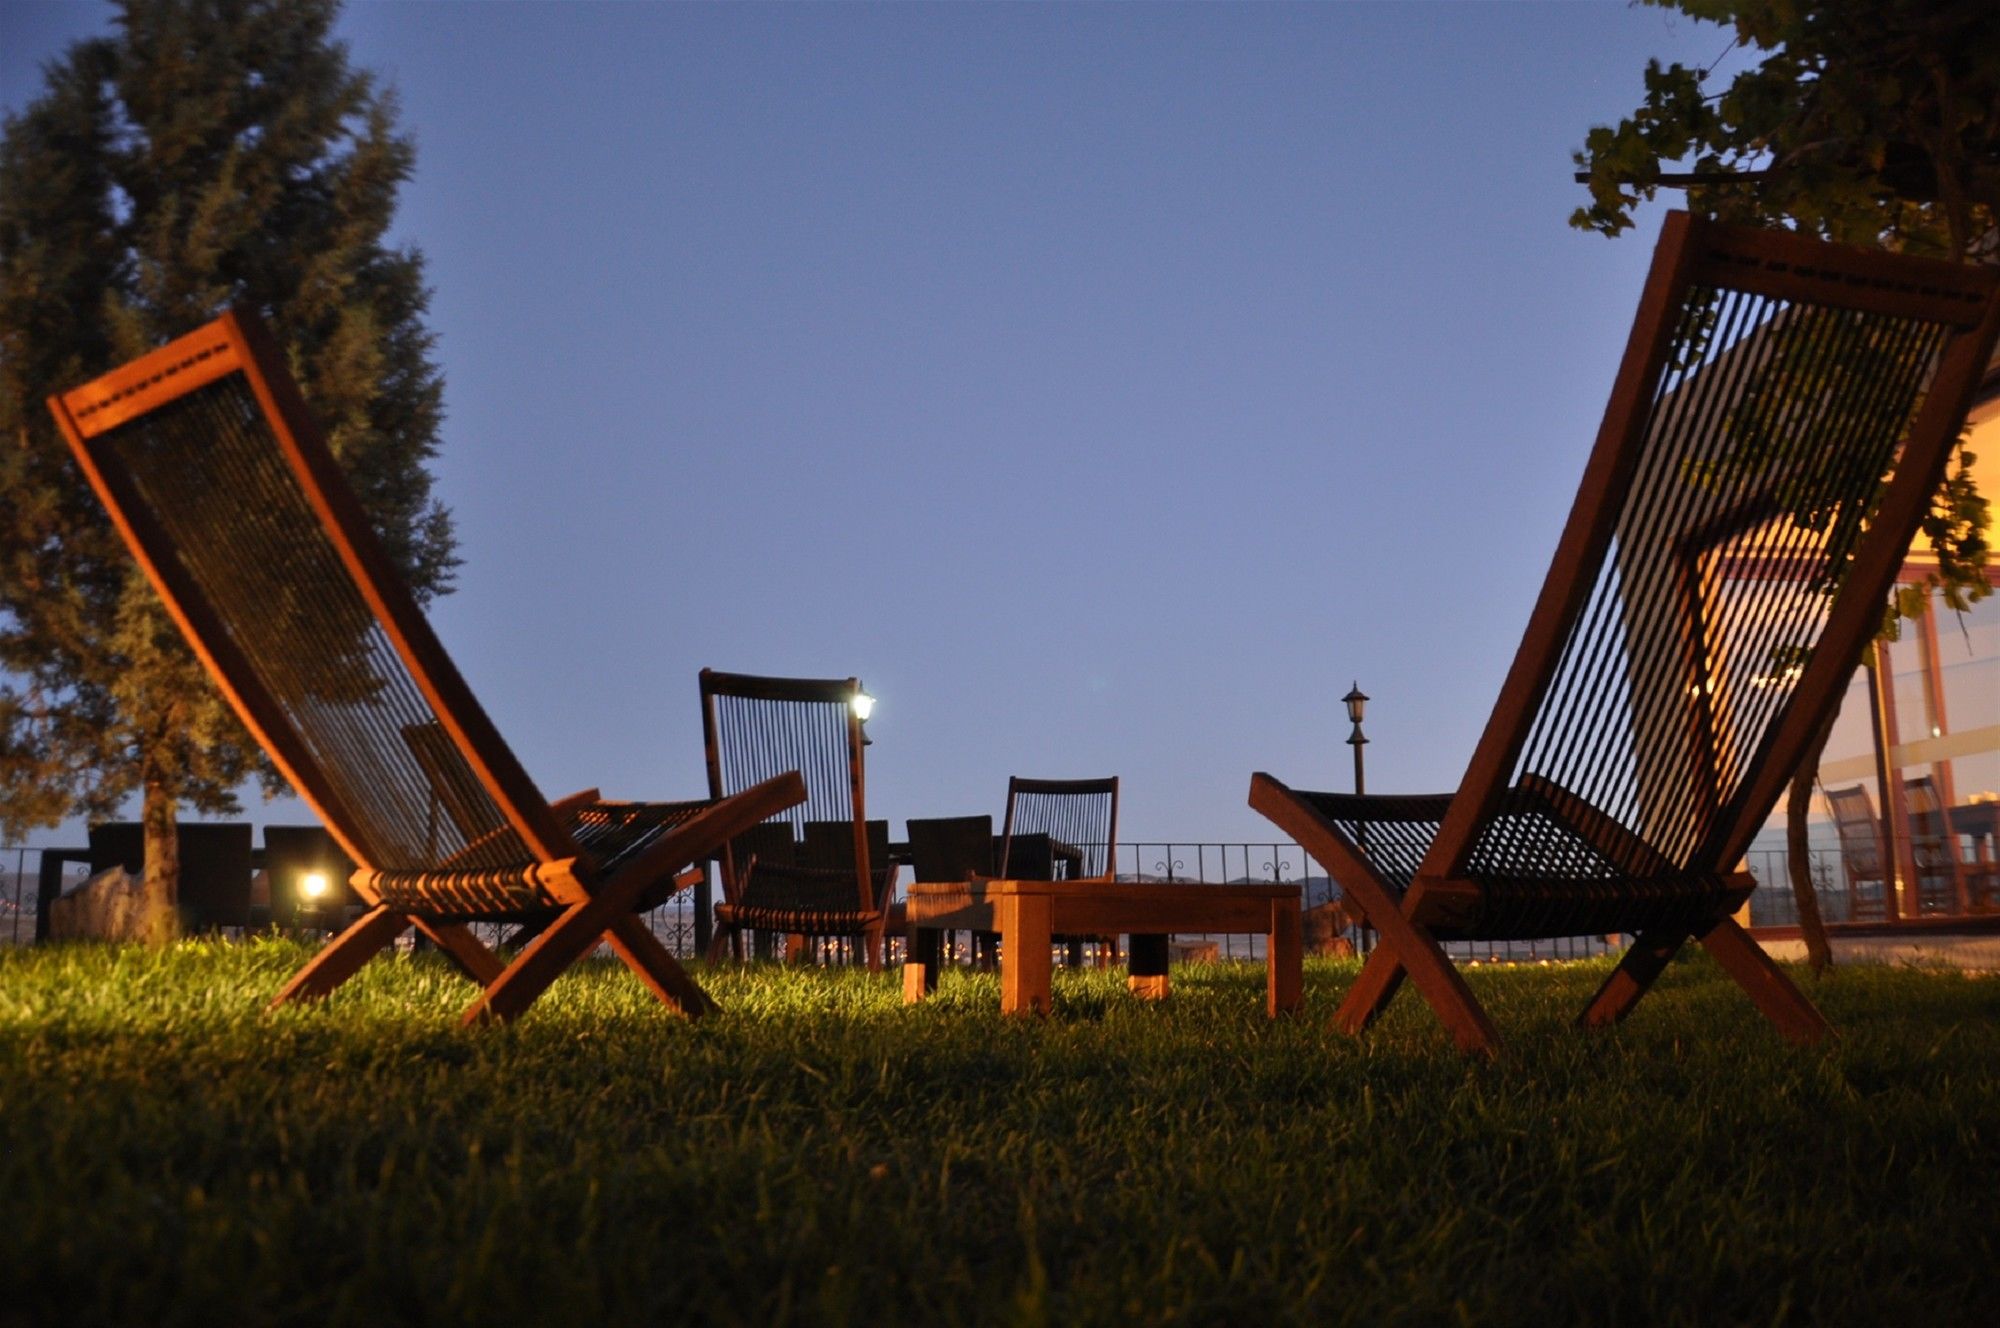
(1356,703)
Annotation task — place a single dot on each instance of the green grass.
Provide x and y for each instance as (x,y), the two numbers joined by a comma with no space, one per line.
(819,1153)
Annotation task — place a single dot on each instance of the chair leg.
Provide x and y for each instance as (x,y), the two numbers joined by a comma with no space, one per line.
(1771,991)
(1380,979)
(634,942)
(1407,945)
(1407,950)
(474,960)
(1443,986)
(343,956)
(1645,959)
(568,938)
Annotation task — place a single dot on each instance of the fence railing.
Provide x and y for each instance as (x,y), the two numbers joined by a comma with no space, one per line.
(1771,905)
(21,888)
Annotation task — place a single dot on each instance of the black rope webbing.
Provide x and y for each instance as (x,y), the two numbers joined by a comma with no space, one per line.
(1634,677)
(1079,820)
(1767,438)
(758,739)
(210,472)
(814,871)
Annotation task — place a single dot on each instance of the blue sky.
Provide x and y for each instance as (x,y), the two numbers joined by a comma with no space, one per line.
(1107,386)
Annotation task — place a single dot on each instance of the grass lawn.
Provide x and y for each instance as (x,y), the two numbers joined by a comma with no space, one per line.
(820,1153)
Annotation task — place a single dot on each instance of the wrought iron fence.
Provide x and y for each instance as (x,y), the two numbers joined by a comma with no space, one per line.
(1771,904)
(23,886)
(1224,863)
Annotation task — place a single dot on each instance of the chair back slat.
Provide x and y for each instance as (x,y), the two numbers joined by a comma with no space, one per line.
(756,728)
(1860,834)
(245,525)
(1081,814)
(1941,874)
(1700,611)
(1931,841)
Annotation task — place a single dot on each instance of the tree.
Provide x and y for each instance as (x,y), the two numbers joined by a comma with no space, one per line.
(206,153)
(1865,121)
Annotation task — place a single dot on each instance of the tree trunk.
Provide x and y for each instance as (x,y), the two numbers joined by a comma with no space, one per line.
(161,889)
(1798,802)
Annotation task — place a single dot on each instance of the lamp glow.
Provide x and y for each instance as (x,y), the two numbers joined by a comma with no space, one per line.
(312,885)
(864,706)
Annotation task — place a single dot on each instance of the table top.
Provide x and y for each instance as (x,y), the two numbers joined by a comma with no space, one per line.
(1104,889)
(1976,818)
(1102,906)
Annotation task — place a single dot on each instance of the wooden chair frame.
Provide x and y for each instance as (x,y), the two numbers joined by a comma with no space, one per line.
(588,904)
(1861,858)
(874,884)
(1443,898)
(1940,884)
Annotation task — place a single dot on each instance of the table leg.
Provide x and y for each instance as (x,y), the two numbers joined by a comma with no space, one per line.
(1146,965)
(920,974)
(1284,958)
(1024,954)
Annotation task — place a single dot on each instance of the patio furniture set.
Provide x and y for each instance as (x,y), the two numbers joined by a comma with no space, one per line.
(1781,417)
(1947,878)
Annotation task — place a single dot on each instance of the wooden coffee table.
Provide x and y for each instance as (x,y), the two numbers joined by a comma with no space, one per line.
(1028,913)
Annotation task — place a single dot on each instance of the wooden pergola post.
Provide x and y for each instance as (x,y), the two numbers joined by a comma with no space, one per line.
(1898,861)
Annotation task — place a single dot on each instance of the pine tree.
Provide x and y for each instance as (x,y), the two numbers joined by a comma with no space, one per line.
(206,153)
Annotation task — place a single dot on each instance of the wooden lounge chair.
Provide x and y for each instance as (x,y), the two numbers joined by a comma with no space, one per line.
(1719,576)
(1062,829)
(221,484)
(1860,853)
(832,876)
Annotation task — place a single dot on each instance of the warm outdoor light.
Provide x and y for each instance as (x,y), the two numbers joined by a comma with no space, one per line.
(312,885)
(864,706)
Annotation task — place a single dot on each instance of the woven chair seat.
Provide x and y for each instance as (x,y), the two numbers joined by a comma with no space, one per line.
(795,921)
(1520,910)
(826,891)
(1559,883)
(490,893)
(610,832)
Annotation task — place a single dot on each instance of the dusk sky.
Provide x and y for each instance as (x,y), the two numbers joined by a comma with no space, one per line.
(1108,387)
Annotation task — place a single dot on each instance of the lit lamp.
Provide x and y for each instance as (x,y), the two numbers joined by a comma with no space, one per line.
(1356,703)
(313,886)
(863,706)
